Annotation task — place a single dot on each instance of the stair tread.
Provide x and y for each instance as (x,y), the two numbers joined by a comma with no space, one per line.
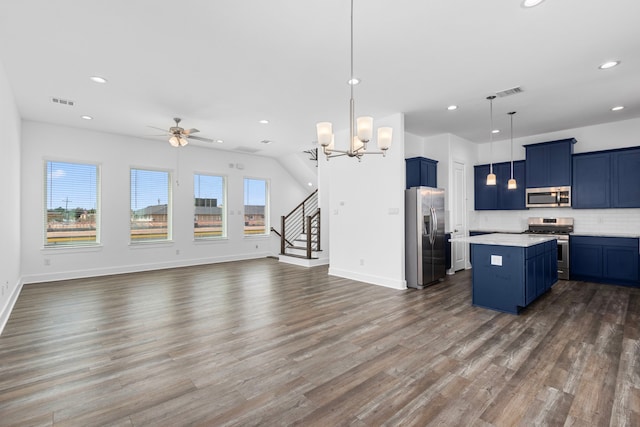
(303,248)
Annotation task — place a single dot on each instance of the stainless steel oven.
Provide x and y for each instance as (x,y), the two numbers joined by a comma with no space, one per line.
(549,197)
(560,228)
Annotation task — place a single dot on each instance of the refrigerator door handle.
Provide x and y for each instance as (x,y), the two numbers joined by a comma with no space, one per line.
(434,226)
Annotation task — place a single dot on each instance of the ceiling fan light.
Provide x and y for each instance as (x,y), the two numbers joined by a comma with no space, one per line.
(174,141)
(183,141)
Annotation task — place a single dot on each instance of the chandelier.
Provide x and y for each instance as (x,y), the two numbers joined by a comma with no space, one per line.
(360,130)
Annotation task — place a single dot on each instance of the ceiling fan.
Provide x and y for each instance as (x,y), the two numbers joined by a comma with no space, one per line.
(179,137)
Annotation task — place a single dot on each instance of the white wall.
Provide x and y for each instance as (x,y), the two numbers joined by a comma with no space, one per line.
(364,206)
(116,155)
(590,138)
(10,282)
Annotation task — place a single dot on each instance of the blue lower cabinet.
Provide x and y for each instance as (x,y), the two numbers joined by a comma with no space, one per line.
(613,260)
(508,278)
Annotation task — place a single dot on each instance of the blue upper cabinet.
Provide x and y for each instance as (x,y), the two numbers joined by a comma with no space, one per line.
(591,181)
(511,199)
(625,183)
(421,172)
(485,196)
(606,179)
(498,197)
(548,164)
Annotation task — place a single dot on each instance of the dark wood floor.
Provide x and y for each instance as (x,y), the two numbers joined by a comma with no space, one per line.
(263,343)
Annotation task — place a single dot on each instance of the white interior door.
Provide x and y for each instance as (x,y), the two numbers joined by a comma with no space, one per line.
(458,217)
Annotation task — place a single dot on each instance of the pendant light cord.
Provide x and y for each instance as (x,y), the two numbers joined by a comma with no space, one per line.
(351,101)
(511,114)
(491,98)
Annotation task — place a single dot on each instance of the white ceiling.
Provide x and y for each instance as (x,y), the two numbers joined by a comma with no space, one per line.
(223,65)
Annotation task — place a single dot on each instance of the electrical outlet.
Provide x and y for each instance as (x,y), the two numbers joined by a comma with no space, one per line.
(177,251)
(47,261)
(361,261)
(256,246)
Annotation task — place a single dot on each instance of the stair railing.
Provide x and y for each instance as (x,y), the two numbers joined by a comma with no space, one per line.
(297,222)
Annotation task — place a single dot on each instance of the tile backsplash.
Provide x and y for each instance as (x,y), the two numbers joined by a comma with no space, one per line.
(600,221)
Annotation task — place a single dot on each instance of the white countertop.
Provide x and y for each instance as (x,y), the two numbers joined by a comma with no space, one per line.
(500,239)
(603,234)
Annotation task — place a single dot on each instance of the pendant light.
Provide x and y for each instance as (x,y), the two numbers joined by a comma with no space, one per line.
(512,185)
(491,178)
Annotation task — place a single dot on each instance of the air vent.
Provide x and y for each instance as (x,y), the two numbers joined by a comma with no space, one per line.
(250,150)
(62,101)
(509,92)
(266,141)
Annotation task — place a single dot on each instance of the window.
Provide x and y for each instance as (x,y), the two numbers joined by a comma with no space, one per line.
(256,208)
(150,205)
(209,219)
(72,209)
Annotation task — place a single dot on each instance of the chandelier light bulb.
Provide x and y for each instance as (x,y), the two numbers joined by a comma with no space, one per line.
(365,128)
(385,135)
(325,133)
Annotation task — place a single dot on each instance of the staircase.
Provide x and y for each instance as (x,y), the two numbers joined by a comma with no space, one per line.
(300,237)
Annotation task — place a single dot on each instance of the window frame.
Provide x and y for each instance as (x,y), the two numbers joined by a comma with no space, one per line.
(45,199)
(267,207)
(169,238)
(224,211)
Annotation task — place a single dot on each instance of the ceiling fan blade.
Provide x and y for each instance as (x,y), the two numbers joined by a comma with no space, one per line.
(190,131)
(153,127)
(199,138)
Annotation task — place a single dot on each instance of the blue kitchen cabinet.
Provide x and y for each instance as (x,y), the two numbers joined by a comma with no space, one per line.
(510,199)
(421,172)
(591,181)
(606,179)
(605,259)
(499,197)
(485,196)
(508,278)
(548,164)
(625,181)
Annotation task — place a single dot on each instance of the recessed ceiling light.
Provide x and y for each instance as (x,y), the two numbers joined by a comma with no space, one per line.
(310,184)
(452,107)
(609,64)
(87,117)
(354,81)
(531,3)
(495,131)
(618,108)
(263,121)
(98,79)
(219,141)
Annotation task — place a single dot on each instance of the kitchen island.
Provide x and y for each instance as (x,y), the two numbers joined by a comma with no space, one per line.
(511,270)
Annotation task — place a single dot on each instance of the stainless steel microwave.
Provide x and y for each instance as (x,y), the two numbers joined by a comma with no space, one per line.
(549,197)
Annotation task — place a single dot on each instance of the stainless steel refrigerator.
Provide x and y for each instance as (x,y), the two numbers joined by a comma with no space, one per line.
(424,236)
